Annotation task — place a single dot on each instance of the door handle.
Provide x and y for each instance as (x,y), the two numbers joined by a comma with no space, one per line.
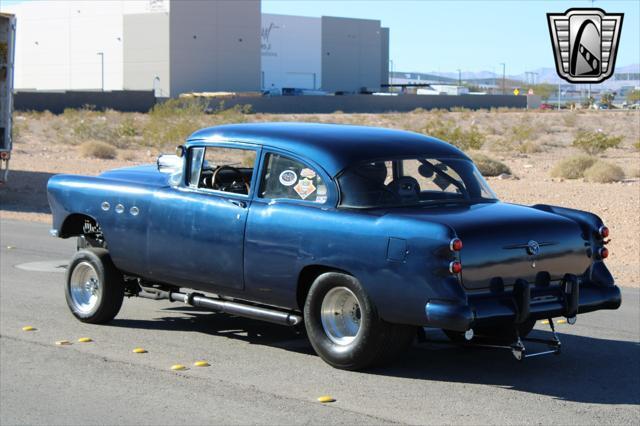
(239,203)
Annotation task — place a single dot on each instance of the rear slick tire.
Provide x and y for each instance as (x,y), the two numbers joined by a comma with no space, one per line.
(344,328)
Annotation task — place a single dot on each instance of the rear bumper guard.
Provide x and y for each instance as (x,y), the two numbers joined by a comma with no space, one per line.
(524,303)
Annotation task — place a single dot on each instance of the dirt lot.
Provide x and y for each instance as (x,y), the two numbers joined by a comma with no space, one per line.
(530,143)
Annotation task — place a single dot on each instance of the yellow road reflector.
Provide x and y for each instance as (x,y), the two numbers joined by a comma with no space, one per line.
(139,351)
(63,342)
(326,398)
(85,340)
(562,321)
(10,247)
(544,322)
(201,364)
(178,367)
(28,328)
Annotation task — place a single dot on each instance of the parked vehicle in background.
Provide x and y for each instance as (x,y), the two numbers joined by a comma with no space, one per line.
(364,234)
(7,55)
(546,106)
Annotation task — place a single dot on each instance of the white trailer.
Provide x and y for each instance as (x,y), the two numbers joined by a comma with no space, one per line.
(7,55)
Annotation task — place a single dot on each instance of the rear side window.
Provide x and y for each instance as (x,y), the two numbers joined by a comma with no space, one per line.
(286,178)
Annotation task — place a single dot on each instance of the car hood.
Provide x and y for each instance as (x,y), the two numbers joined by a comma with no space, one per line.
(147,174)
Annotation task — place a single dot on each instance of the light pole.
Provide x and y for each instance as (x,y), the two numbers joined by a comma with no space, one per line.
(459,77)
(155,90)
(101,54)
(504,87)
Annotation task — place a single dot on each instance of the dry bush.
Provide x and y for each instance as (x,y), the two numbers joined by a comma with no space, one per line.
(604,172)
(488,166)
(595,142)
(448,131)
(573,167)
(170,122)
(531,147)
(636,145)
(98,149)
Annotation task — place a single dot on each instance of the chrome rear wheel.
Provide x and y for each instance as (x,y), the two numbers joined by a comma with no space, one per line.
(340,315)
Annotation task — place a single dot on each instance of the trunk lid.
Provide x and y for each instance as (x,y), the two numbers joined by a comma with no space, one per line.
(511,241)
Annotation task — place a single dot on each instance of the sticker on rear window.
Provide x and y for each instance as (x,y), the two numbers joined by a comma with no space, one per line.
(288,177)
(304,188)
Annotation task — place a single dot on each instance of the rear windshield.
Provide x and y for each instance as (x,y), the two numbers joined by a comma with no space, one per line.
(412,181)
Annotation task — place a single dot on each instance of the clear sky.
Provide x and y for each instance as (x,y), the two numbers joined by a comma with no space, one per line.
(471,35)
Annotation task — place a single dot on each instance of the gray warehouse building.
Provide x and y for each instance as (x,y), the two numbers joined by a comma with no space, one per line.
(178,46)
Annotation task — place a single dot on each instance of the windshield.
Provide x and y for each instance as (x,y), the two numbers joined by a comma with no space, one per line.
(412,181)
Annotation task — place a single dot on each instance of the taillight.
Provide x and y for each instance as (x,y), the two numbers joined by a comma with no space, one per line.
(603,231)
(455,244)
(603,252)
(455,267)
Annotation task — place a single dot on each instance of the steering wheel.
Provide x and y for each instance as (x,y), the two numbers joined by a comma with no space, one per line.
(212,180)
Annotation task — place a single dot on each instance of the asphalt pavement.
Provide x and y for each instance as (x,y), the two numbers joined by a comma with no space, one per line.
(263,373)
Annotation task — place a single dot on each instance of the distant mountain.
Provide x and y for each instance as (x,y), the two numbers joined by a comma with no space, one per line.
(542,75)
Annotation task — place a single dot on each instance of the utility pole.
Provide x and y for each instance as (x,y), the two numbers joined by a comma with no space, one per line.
(459,77)
(101,54)
(504,87)
(559,96)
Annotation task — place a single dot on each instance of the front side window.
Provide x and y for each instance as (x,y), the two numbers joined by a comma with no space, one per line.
(285,178)
(222,169)
(412,181)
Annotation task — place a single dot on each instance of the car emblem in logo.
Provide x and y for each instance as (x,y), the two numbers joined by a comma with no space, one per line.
(585,43)
(533,248)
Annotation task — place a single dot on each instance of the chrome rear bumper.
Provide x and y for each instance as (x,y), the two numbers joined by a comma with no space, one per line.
(525,302)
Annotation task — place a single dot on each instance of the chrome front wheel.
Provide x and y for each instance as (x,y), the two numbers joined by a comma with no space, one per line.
(340,315)
(85,288)
(95,288)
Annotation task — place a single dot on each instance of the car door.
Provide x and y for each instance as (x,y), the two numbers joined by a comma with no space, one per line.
(196,235)
(293,198)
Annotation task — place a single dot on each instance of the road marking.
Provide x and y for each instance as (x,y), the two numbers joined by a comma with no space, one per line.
(28,328)
(201,364)
(139,351)
(85,340)
(178,367)
(326,398)
(44,266)
(63,342)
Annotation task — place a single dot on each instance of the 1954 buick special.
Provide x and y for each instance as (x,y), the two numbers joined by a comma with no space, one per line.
(365,235)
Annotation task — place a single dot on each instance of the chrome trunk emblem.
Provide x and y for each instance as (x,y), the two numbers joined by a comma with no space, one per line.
(533,248)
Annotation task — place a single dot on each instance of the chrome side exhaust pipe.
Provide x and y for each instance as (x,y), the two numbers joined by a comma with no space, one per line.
(224,306)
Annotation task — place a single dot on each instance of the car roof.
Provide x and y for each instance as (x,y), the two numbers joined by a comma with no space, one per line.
(332,146)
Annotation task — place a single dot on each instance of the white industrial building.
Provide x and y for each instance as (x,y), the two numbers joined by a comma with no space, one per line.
(177,46)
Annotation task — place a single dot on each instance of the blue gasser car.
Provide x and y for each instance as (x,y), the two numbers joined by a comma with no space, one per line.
(366,235)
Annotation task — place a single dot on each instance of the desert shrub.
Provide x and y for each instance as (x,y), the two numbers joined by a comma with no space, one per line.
(604,172)
(573,167)
(170,122)
(636,145)
(595,142)
(530,147)
(449,132)
(127,128)
(97,149)
(172,108)
(488,166)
